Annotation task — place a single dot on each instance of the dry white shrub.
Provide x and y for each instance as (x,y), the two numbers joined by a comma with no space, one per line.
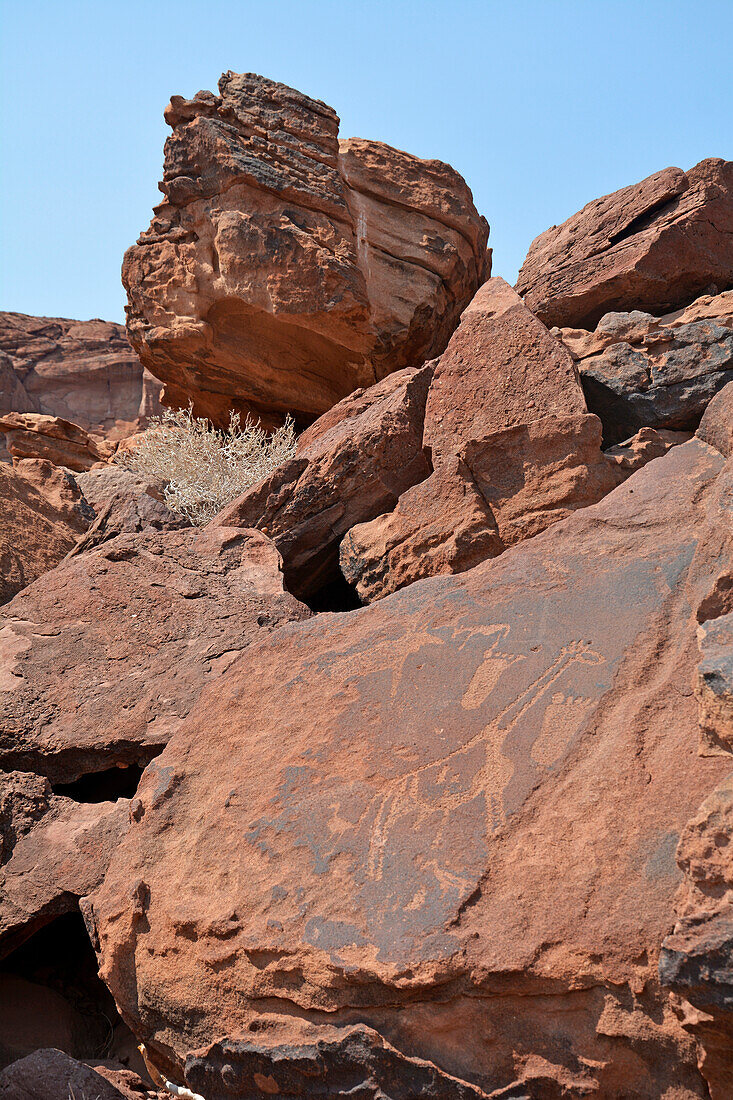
(201,468)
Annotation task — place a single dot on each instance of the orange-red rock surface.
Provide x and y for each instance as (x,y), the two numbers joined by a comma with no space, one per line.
(464,846)
(653,246)
(145,621)
(473,841)
(286,268)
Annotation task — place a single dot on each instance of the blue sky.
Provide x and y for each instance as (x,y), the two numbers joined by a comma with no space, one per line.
(542,105)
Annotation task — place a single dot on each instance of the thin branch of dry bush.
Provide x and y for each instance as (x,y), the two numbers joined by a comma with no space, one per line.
(200,468)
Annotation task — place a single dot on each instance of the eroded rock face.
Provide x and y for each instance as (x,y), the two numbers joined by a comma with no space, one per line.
(654,246)
(82,371)
(286,268)
(465,843)
(42,514)
(101,661)
(660,372)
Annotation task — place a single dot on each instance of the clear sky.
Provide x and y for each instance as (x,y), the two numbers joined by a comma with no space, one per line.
(542,105)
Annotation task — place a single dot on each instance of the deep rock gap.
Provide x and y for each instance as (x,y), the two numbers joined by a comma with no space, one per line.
(105,786)
(51,995)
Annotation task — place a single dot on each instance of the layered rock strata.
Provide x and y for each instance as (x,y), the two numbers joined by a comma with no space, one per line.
(286,268)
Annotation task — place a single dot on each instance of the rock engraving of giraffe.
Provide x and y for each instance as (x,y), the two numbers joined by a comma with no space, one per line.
(489,769)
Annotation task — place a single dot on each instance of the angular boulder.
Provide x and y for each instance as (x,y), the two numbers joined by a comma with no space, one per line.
(101,660)
(449,818)
(350,466)
(714,682)
(286,268)
(123,503)
(661,372)
(654,246)
(511,444)
(42,514)
(82,371)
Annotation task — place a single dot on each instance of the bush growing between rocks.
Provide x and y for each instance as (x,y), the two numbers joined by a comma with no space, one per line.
(201,468)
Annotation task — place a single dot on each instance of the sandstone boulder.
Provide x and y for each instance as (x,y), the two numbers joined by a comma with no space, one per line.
(286,268)
(42,513)
(654,246)
(661,372)
(102,659)
(439,829)
(34,435)
(82,371)
(512,447)
(350,466)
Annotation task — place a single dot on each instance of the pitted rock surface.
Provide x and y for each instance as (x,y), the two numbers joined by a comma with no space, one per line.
(466,837)
(285,268)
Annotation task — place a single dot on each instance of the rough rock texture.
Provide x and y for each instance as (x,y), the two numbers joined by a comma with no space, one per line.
(42,513)
(714,684)
(512,447)
(101,661)
(465,838)
(653,246)
(286,268)
(83,371)
(661,372)
(696,959)
(53,1075)
(124,503)
(352,464)
(716,426)
(55,850)
(34,435)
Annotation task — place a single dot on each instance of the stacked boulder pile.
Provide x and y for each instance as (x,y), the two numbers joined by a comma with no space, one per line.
(410,772)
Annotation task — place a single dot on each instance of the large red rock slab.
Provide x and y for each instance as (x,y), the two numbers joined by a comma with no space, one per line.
(510,439)
(350,466)
(654,246)
(662,372)
(34,435)
(450,817)
(102,660)
(286,269)
(499,490)
(42,514)
(82,371)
